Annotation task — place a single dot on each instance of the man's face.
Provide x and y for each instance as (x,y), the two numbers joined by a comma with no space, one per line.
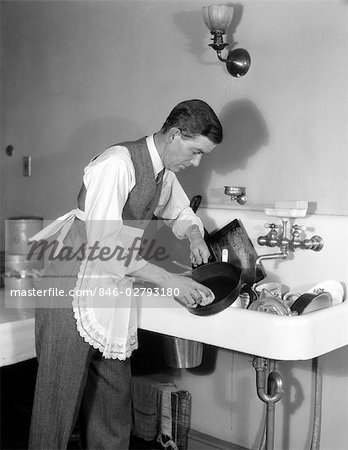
(181,153)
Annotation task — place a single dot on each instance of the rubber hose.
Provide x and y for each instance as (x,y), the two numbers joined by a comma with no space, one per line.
(317,365)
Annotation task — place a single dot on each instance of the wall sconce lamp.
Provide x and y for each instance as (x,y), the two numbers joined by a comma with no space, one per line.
(217,18)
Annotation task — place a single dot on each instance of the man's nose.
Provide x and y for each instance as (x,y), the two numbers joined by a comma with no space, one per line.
(196,160)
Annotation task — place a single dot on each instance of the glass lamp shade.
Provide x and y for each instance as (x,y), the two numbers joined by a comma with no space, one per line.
(217,17)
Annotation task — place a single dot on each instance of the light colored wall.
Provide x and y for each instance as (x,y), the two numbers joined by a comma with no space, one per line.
(285,121)
(78,76)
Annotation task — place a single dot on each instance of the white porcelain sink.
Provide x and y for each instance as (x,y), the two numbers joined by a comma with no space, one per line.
(256,333)
(251,332)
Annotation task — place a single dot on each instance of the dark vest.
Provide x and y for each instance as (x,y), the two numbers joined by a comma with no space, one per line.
(144,197)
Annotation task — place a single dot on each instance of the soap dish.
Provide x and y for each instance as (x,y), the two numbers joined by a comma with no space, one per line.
(286,213)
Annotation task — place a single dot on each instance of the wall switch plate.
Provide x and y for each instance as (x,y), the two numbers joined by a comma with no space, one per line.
(26,166)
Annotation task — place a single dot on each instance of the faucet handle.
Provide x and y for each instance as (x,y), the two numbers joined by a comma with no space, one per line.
(272,226)
(296,233)
(296,227)
(271,239)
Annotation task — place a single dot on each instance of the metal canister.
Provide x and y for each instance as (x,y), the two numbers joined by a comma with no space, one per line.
(182,353)
(21,264)
(17,232)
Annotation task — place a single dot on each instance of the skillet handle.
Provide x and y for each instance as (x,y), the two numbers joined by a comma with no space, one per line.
(195,202)
(246,289)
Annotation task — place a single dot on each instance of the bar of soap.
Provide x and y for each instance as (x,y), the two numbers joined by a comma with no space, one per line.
(206,300)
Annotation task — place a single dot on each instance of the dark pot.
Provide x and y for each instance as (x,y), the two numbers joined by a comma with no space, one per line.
(224,280)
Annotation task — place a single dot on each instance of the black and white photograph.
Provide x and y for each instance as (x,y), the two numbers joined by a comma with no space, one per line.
(174,225)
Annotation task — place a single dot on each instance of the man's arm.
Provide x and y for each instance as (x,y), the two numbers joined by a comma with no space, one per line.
(174,208)
(189,294)
(198,248)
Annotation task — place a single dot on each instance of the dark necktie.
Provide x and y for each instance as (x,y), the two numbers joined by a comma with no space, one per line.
(159,177)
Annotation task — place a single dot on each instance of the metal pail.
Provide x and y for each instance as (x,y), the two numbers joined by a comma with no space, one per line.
(182,353)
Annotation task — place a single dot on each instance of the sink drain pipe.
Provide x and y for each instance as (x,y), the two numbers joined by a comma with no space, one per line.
(274,393)
(269,390)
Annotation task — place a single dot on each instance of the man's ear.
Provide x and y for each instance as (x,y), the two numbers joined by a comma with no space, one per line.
(173,132)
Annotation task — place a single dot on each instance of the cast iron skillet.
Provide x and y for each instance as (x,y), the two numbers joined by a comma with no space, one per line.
(224,280)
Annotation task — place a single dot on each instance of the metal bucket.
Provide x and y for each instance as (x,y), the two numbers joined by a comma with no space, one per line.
(17,232)
(182,353)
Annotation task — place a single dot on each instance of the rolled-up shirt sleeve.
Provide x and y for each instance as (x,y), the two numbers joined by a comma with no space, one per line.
(109,179)
(174,207)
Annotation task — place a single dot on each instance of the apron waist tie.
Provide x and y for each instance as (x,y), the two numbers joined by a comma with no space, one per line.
(62,224)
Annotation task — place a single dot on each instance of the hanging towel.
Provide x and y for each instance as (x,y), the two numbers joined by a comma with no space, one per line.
(164,435)
(152,411)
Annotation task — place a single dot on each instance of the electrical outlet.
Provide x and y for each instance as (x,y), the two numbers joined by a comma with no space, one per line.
(26,166)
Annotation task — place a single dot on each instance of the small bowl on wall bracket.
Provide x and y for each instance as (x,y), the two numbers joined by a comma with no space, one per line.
(237,193)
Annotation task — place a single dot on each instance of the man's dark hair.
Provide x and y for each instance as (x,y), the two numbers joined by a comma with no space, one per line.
(194,118)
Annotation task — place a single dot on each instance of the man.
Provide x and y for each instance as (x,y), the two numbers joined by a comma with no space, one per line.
(83,350)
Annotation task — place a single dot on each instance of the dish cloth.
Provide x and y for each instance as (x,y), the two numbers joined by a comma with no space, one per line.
(152,411)
(205,300)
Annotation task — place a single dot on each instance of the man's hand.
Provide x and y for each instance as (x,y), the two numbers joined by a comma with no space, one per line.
(199,252)
(189,290)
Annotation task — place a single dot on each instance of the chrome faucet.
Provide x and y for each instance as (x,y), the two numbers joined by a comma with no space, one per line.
(278,237)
